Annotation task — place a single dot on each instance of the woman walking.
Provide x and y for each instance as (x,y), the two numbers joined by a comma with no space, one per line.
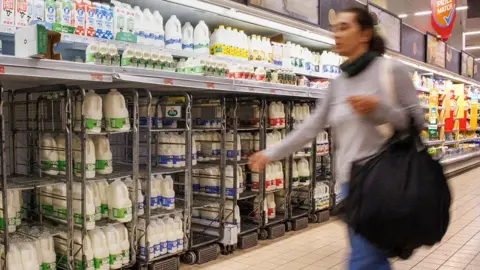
(355,106)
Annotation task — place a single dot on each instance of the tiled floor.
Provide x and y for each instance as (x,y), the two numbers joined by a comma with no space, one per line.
(325,246)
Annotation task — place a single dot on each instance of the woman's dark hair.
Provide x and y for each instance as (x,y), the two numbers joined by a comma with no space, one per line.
(368,21)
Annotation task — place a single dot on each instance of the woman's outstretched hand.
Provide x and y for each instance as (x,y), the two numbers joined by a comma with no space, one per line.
(258,161)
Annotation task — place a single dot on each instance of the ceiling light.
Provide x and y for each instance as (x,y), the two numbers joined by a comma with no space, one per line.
(462,8)
(472,33)
(469,48)
(422,13)
(403,16)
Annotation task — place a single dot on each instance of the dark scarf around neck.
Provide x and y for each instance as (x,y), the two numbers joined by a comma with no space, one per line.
(353,68)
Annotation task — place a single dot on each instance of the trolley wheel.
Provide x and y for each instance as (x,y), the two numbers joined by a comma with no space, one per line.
(223,249)
(220,249)
(312,218)
(288,226)
(263,235)
(189,258)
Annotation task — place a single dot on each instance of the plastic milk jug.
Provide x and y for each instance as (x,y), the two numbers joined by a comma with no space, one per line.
(90,206)
(173,33)
(230,218)
(304,172)
(154,239)
(96,200)
(83,249)
(60,201)
(92,54)
(140,197)
(230,189)
(127,58)
(168,193)
(144,114)
(139,25)
(60,140)
(161,236)
(47,200)
(115,112)
(49,155)
(271,206)
(12,213)
(124,243)
(201,38)
(171,235)
(295,176)
(49,258)
(211,182)
(119,204)
(155,194)
(187,37)
(129,19)
(115,251)
(101,251)
(179,231)
(15,258)
(119,17)
(103,155)
(158,29)
(149,29)
(196,181)
(102,190)
(92,111)
(89,159)
(279,176)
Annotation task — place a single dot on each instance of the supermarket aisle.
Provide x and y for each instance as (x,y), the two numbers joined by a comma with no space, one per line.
(325,246)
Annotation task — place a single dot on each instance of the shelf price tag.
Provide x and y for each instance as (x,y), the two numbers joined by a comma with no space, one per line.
(2,70)
(210,85)
(168,81)
(273,91)
(96,77)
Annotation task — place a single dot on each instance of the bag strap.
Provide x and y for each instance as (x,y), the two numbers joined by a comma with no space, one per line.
(388,86)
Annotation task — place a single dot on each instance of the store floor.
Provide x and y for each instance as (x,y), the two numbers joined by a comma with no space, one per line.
(325,246)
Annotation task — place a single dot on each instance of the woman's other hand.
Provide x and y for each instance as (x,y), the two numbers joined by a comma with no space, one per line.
(363,104)
(258,161)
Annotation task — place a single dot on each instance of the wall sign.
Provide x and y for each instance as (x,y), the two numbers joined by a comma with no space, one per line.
(304,10)
(453,59)
(328,10)
(413,43)
(443,16)
(388,26)
(436,50)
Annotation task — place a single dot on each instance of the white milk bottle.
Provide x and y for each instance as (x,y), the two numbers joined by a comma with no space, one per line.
(149,27)
(281,114)
(103,189)
(139,25)
(92,111)
(11,211)
(90,206)
(101,254)
(280,201)
(129,19)
(304,172)
(187,37)
(115,251)
(155,195)
(144,113)
(230,189)
(173,33)
(60,140)
(154,239)
(179,231)
(47,200)
(171,235)
(127,56)
(271,206)
(142,245)
(230,217)
(103,155)
(92,55)
(295,176)
(60,201)
(158,29)
(124,242)
(256,205)
(119,18)
(49,258)
(97,201)
(279,175)
(168,193)
(272,114)
(268,177)
(90,160)
(119,204)
(140,197)
(201,38)
(15,258)
(161,235)
(48,154)
(196,181)
(83,249)
(211,181)
(115,112)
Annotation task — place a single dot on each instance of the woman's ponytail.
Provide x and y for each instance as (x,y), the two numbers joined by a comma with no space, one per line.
(368,21)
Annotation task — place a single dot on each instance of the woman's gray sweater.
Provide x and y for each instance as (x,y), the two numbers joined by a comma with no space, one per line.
(356,136)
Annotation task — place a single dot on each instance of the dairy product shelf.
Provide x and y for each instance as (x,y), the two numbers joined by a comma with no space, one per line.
(35,230)
(159,170)
(246,227)
(247,194)
(119,172)
(160,212)
(459,158)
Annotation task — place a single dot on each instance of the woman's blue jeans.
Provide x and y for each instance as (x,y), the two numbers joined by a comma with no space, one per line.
(364,256)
